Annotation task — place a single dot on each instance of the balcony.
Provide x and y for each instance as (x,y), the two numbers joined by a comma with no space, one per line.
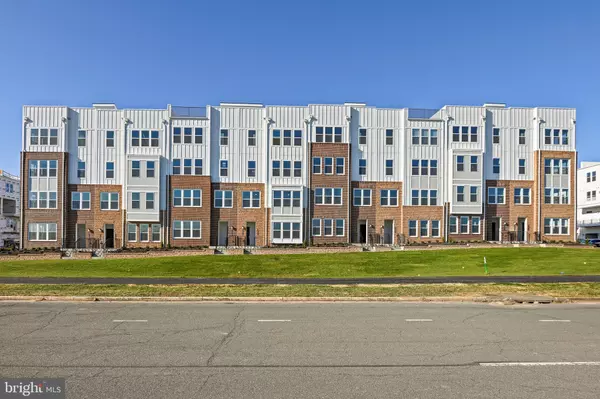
(591,220)
(421,113)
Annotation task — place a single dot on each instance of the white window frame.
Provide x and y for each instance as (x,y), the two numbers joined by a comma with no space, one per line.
(362,136)
(317,164)
(386,194)
(223,199)
(109,201)
(435,222)
(335,227)
(312,227)
(221,168)
(416,228)
(48,228)
(463,224)
(362,197)
(473,224)
(450,224)
(327,222)
(135,232)
(558,223)
(495,191)
(521,196)
(343,165)
(182,229)
(182,197)
(426,222)
(251,200)
(362,170)
(81,201)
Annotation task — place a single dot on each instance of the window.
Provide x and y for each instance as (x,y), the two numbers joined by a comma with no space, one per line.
(328,227)
(149,200)
(81,138)
(109,201)
(415,167)
(496,195)
(554,195)
(328,165)
(435,228)
(338,134)
(276,137)
(296,199)
(298,168)
(149,168)
(424,136)
(187,166)
(474,190)
(135,138)
(316,227)
(198,135)
(144,236)
(362,167)
(287,168)
(156,232)
(424,167)
(496,135)
(110,138)
(339,166)
(110,170)
(176,135)
(276,170)
(588,177)
(424,228)
(362,136)
(250,199)
(433,197)
(145,138)
(224,137)
(412,228)
(415,136)
(455,134)
(521,166)
(475,222)
(522,196)
(464,225)
(33,169)
(298,140)
(187,135)
(42,232)
(548,136)
(460,163)
(131,232)
(42,199)
(80,201)
(187,197)
(34,137)
(388,197)
(464,130)
(81,169)
(287,199)
(362,197)
(154,138)
(223,199)
(287,137)
(316,165)
(135,200)
(474,137)
(251,168)
(389,167)
(433,167)
(556,226)
(474,163)
(521,136)
(557,166)
(135,168)
(565,168)
(433,136)
(198,167)
(593,175)
(328,196)
(224,168)
(565,137)
(453,225)
(460,193)
(496,165)
(44,136)
(187,229)
(556,136)
(414,197)
(389,137)
(176,166)
(424,197)
(339,227)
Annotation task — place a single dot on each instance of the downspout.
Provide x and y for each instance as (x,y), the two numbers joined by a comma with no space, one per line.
(65,177)
(308,223)
(348,170)
(445,181)
(22,185)
(483,194)
(123,173)
(268,184)
(574,189)
(540,166)
(167,214)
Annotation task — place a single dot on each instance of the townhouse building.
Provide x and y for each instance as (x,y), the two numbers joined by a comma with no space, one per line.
(588,201)
(253,175)
(9,209)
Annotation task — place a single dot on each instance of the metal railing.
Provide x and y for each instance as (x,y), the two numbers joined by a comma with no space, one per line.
(92,243)
(421,113)
(588,222)
(188,112)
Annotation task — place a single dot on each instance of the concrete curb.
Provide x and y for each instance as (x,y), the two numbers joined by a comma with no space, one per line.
(477,299)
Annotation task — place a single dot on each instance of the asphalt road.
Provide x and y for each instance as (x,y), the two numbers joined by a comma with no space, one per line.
(318,281)
(332,350)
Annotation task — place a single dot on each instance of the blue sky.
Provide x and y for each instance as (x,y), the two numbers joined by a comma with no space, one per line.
(388,54)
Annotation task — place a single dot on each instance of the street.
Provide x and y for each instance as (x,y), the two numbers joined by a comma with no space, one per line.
(312,350)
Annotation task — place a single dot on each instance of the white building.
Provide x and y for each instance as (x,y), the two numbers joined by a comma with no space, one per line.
(9,209)
(588,200)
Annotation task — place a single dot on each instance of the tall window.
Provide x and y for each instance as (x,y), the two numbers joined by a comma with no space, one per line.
(496,135)
(176,135)
(389,167)
(298,168)
(464,225)
(176,166)
(276,137)
(474,137)
(149,200)
(110,170)
(460,193)
(453,225)
(316,165)
(433,167)
(496,165)
(412,228)
(475,223)
(198,167)
(154,138)
(316,227)
(81,138)
(338,134)
(415,136)
(434,136)
(425,136)
(198,135)
(135,168)
(131,232)
(223,168)
(328,165)
(362,136)
(415,167)
(135,201)
(339,166)
(424,228)
(110,138)
(287,168)
(109,201)
(521,166)
(150,169)
(187,135)
(389,137)
(435,228)
(276,168)
(474,195)
(455,134)
(474,163)
(187,166)
(460,163)
(250,199)
(424,167)
(287,137)
(251,168)
(81,169)
(362,167)
(135,138)
(298,138)
(223,199)
(224,137)
(496,195)
(522,136)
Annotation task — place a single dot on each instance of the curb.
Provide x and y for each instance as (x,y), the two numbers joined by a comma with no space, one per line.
(480,299)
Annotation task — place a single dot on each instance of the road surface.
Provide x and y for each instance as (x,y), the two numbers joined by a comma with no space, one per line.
(328,350)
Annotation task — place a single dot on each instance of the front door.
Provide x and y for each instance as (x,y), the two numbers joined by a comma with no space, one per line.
(521,228)
(80,238)
(362,231)
(109,236)
(494,230)
(222,237)
(388,231)
(251,234)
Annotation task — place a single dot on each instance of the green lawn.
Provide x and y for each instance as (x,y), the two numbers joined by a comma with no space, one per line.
(501,261)
(581,290)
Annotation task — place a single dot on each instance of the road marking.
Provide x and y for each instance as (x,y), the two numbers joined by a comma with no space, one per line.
(273,320)
(555,321)
(130,321)
(418,319)
(530,364)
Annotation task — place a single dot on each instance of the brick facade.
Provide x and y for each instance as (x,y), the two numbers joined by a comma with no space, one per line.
(202,213)
(334,150)
(419,213)
(238,217)
(376,215)
(43,215)
(509,213)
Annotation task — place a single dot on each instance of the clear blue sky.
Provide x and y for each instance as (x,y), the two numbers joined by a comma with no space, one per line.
(390,54)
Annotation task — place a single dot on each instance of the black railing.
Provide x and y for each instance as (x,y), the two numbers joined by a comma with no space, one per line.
(92,243)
